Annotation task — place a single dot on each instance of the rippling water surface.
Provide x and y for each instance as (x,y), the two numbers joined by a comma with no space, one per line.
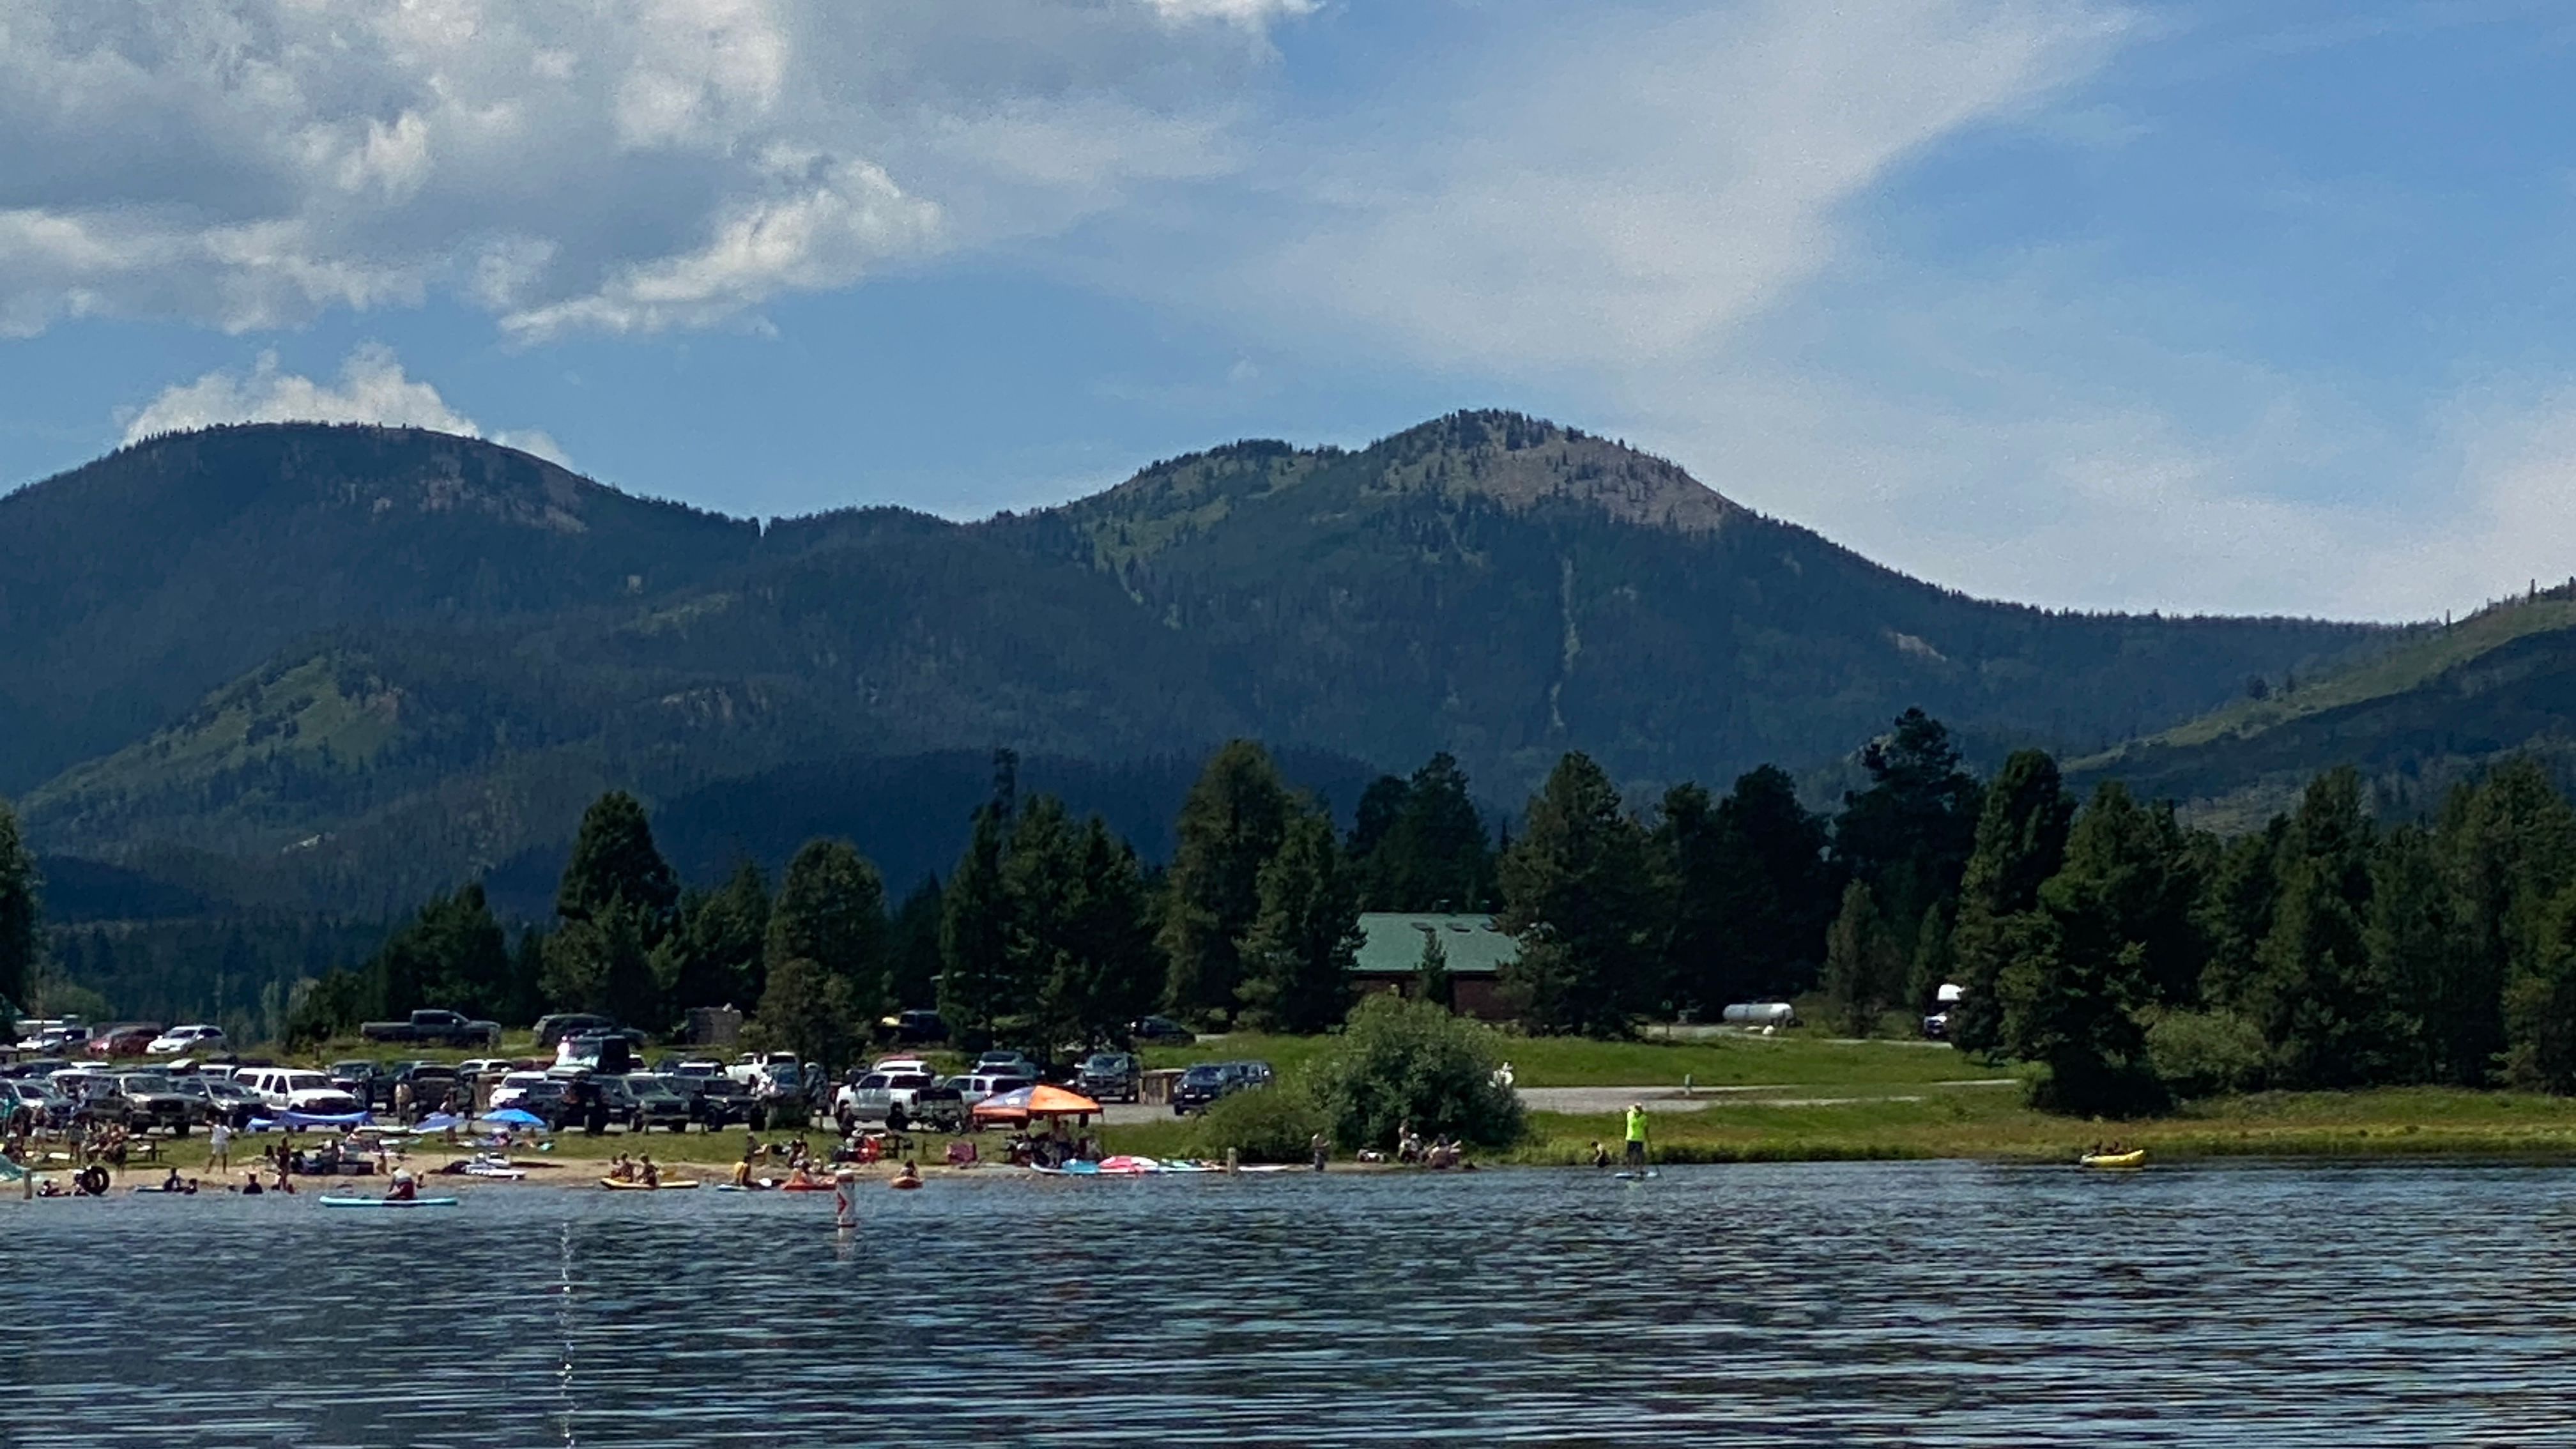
(1916,1304)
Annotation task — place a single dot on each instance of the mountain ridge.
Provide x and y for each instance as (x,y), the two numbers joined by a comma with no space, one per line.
(499,636)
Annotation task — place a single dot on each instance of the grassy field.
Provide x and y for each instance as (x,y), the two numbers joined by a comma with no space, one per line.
(1802,1096)
(1796,1059)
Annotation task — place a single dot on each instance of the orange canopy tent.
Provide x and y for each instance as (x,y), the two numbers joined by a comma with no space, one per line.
(1041,1100)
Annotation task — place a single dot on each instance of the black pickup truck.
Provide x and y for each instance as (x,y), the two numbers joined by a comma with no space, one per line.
(444,1027)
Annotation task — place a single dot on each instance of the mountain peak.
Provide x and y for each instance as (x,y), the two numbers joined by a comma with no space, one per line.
(1521,462)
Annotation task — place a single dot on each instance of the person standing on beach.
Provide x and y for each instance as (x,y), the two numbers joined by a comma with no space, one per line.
(219,1147)
(1322,1148)
(1637,1135)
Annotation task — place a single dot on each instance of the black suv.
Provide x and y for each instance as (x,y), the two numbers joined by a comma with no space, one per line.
(1208,1081)
(1109,1076)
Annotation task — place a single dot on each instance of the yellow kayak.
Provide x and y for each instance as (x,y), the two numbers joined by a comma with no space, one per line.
(666,1185)
(2136,1158)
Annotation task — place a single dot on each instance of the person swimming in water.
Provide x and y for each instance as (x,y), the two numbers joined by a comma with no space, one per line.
(910,1176)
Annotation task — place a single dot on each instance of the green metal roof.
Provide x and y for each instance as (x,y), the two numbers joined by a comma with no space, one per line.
(1394,943)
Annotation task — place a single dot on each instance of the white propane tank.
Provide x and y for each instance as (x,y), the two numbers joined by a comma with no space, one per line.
(1761,1013)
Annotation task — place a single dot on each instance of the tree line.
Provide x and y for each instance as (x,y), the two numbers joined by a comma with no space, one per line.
(2133,959)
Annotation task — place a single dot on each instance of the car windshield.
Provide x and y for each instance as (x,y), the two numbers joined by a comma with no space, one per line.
(307,1082)
(909,1079)
(1204,1075)
(138,1083)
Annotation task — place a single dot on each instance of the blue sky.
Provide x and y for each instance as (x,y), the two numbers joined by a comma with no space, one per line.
(2180,306)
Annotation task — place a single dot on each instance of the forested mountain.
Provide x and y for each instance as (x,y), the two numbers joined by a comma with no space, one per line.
(2433,712)
(344,667)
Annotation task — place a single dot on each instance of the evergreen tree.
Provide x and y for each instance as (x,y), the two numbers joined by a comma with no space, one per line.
(1580,894)
(2413,940)
(2317,995)
(604,963)
(2020,842)
(1380,805)
(1864,966)
(1776,890)
(2132,869)
(806,1008)
(1910,833)
(831,911)
(614,857)
(1699,865)
(1298,955)
(2076,1015)
(1229,827)
(912,949)
(525,999)
(1434,855)
(2509,849)
(724,943)
(975,982)
(2241,882)
(1431,979)
(452,954)
(20,912)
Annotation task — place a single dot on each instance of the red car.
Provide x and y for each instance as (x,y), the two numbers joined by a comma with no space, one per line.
(122,1041)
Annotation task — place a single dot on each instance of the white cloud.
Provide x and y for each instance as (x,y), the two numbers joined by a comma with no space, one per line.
(628,166)
(1628,193)
(372,388)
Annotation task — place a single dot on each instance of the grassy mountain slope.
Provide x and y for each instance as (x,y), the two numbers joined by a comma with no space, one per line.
(2429,713)
(132,586)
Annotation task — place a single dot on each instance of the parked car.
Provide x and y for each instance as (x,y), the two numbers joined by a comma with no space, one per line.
(432,1083)
(288,1089)
(182,1040)
(514,1089)
(610,1053)
(1160,1029)
(1006,1064)
(121,1041)
(939,1107)
(769,1074)
(43,1106)
(555,1026)
(363,1080)
(224,1099)
(1110,1077)
(974,1087)
(657,1104)
(1207,1082)
(886,1097)
(445,1028)
(919,1027)
(153,1100)
(720,1101)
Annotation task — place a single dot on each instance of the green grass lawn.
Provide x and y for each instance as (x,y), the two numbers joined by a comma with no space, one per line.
(1796,1058)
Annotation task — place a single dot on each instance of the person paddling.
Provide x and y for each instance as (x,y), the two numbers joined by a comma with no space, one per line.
(1637,1136)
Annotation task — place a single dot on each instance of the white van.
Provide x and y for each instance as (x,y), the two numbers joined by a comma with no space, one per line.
(295,1089)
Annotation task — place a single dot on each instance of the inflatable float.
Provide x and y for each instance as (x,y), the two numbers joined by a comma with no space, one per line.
(387,1202)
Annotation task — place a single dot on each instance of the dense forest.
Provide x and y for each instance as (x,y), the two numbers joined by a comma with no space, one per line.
(2135,961)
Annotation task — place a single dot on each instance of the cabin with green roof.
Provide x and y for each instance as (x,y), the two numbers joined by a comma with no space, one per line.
(1391,951)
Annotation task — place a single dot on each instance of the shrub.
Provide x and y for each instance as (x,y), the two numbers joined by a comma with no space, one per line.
(2205,1053)
(1267,1124)
(1407,1061)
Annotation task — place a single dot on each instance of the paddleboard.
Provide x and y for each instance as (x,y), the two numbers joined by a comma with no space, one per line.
(1636,1176)
(387,1202)
(613,1185)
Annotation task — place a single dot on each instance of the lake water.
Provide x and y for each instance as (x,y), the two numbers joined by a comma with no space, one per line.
(1918,1304)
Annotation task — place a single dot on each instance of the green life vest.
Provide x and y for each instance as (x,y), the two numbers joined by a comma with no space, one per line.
(1636,1124)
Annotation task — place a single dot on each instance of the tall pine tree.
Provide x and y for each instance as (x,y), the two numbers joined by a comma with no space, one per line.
(1579,891)
(1229,827)
(2020,842)
(831,911)
(19,916)
(1298,955)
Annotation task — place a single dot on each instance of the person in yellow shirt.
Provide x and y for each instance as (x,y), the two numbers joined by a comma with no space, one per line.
(1637,1136)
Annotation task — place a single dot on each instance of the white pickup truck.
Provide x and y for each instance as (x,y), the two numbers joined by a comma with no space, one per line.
(902,1095)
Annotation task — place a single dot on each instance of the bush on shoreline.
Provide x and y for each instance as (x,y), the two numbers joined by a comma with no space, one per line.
(1411,1062)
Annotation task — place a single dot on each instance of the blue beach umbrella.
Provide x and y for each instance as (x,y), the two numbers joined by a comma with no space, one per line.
(514,1117)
